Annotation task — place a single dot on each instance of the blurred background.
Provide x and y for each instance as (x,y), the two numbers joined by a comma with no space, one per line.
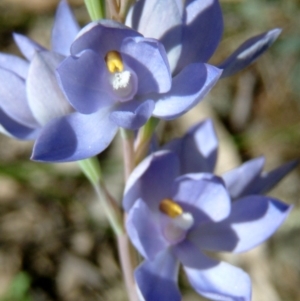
(55,243)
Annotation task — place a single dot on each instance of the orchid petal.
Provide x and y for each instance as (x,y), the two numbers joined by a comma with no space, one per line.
(267,180)
(157,279)
(74,137)
(64,30)
(239,179)
(27,46)
(197,150)
(248,52)
(13,99)
(148,59)
(14,64)
(87,90)
(102,36)
(190,255)
(211,278)
(147,18)
(253,220)
(45,97)
(203,26)
(132,115)
(16,129)
(188,88)
(220,282)
(152,180)
(204,192)
(140,222)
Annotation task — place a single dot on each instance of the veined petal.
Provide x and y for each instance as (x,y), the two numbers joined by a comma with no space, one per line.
(102,36)
(161,20)
(148,59)
(16,129)
(27,46)
(203,26)
(45,98)
(15,64)
(197,150)
(13,99)
(64,30)
(220,282)
(152,180)
(267,180)
(157,279)
(205,193)
(253,220)
(238,180)
(87,90)
(248,52)
(188,88)
(140,223)
(74,137)
(132,115)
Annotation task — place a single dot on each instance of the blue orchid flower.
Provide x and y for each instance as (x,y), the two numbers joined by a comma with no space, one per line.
(191,31)
(197,152)
(29,93)
(116,74)
(176,219)
(33,106)
(31,100)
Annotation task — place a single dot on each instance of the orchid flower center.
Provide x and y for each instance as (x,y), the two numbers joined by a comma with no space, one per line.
(176,222)
(120,79)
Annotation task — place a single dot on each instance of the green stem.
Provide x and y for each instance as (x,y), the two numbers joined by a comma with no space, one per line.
(91,169)
(95,8)
(144,139)
(128,151)
(125,248)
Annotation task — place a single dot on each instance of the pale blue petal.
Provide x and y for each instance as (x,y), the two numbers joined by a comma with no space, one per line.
(189,87)
(152,180)
(161,20)
(15,64)
(197,150)
(222,282)
(239,179)
(267,180)
(27,46)
(16,129)
(132,115)
(203,192)
(190,255)
(45,98)
(102,36)
(64,30)
(248,52)
(74,137)
(148,59)
(253,220)
(210,278)
(204,27)
(85,82)
(144,230)
(13,99)
(157,279)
